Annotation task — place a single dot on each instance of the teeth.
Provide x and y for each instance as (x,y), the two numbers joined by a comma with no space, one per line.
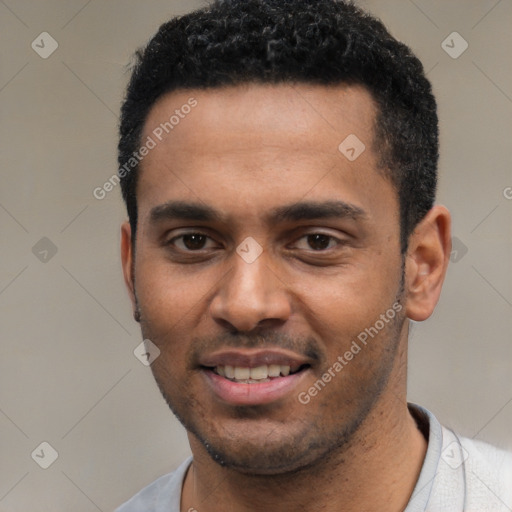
(274,370)
(262,372)
(242,373)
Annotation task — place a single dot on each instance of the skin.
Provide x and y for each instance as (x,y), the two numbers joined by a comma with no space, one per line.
(246,151)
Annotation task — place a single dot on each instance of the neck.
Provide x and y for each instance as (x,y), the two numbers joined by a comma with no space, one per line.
(376,471)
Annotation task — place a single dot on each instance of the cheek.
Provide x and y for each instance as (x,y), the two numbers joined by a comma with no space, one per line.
(342,308)
(169,295)
(350,297)
(170,303)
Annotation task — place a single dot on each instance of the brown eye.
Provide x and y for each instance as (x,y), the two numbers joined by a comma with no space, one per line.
(319,242)
(191,242)
(194,241)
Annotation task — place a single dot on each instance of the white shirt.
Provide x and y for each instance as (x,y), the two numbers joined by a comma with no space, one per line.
(458,475)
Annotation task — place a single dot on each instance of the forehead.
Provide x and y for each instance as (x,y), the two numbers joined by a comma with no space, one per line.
(250,143)
(297,111)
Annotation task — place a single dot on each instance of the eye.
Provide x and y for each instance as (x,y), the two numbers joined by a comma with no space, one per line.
(191,242)
(317,242)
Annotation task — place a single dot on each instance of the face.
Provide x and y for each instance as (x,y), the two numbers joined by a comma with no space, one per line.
(263,256)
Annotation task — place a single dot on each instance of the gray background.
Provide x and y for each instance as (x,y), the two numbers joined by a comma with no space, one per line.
(68,375)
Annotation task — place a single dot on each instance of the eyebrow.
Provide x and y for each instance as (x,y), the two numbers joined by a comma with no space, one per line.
(311,210)
(182,210)
(303,210)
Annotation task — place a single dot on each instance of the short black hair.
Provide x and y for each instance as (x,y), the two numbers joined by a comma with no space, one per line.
(326,42)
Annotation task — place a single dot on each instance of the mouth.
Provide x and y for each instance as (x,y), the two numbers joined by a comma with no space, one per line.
(257,374)
(254,377)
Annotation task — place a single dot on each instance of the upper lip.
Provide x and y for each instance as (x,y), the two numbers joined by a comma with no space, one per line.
(248,358)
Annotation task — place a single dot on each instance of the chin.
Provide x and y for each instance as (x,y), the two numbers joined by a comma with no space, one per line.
(263,459)
(268,448)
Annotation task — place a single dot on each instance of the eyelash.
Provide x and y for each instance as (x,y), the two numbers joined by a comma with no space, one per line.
(197,233)
(172,241)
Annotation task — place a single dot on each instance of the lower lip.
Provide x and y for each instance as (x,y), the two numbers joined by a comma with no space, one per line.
(239,393)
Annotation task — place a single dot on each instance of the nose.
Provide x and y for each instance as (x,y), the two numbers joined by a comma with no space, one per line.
(251,295)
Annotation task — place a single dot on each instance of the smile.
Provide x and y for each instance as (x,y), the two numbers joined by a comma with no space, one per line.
(238,385)
(258,374)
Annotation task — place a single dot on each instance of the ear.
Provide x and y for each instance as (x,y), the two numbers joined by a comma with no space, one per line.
(127,259)
(427,259)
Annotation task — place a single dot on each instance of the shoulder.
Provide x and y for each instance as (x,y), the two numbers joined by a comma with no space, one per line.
(488,464)
(163,494)
(484,472)
(460,473)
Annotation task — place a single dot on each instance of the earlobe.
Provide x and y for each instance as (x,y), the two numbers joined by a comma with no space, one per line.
(427,259)
(127,264)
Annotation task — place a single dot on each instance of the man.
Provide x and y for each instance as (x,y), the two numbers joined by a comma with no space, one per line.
(278,161)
